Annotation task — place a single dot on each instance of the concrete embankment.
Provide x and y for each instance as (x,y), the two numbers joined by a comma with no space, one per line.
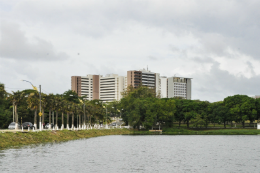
(10,139)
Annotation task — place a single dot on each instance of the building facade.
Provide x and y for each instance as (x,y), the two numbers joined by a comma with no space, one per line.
(144,77)
(110,87)
(164,87)
(179,87)
(107,88)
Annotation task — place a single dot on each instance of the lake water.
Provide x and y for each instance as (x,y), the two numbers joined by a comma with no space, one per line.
(158,153)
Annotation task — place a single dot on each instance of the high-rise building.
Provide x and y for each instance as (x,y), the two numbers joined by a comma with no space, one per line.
(110,87)
(179,87)
(107,88)
(145,78)
(164,87)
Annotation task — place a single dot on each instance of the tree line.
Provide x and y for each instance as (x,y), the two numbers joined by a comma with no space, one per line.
(67,109)
(143,108)
(138,107)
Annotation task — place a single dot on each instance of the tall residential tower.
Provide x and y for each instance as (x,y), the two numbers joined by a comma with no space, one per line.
(145,78)
(106,88)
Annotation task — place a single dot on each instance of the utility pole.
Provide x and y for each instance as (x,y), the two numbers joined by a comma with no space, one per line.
(84,117)
(40,109)
(106,118)
(13,111)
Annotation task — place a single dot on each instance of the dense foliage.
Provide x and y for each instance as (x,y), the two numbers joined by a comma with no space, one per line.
(139,108)
(23,106)
(143,108)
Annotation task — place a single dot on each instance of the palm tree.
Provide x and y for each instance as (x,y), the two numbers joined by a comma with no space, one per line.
(16,98)
(90,109)
(33,104)
(63,105)
(50,105)
(57,108)
(73,111)
(44,104)
(80,112)
(69,111)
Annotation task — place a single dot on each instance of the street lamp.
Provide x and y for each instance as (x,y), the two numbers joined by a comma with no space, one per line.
(106,115)
(84,111)
(40,113)
(96,104)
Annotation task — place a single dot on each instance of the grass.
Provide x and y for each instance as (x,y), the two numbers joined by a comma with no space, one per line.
(10,139)
(185,131)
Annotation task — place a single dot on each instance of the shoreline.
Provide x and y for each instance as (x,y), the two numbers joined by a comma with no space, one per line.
(12,139)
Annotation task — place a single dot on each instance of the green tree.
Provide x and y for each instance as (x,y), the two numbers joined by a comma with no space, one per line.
(135,103)
(198,121)
(16,98)
(241,108)
(222,114)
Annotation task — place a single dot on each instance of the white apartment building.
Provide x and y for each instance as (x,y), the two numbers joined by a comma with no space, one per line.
(111,86)
(179,87)
(164,87)
(107,88)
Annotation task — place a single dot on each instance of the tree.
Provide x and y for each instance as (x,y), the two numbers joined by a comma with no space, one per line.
(134,103)
(33,104)
(5,108)
(198,121)
(222,114)
(16,98)
(50,105)
(241,108)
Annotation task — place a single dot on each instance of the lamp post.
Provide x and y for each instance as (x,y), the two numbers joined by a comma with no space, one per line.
(22,123)
(84,111)
(96,104)
(40,113)
(106,115)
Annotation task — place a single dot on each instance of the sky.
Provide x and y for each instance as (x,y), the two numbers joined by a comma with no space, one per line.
(214,42)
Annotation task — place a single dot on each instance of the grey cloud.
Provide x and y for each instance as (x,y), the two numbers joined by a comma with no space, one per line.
(203,60)
(250,68)
(152,58)
(232,21)
(174,49)
(15,45)
(218,84)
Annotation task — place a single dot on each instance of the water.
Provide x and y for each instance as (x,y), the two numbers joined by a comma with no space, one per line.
(138,154)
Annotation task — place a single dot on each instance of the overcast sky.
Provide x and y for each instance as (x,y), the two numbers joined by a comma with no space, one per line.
(214,42)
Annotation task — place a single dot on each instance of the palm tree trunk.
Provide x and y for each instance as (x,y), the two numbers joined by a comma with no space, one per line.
(90,122)
(16,118)
(56,120)
(42,117)
(62,121)
(79,120)
(72,124)
(35,119)
(68,116)
(49,119)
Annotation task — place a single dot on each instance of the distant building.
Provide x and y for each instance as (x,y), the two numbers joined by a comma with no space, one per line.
(144,77)
(111,86)
(164,87)
(256,96)
(106,88)
(179,87)
(175,87)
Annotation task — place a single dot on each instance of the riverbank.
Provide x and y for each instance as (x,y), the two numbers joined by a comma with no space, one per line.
(184,131)
(10,139)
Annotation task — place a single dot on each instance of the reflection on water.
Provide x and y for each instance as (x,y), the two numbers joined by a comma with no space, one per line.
(138,154)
